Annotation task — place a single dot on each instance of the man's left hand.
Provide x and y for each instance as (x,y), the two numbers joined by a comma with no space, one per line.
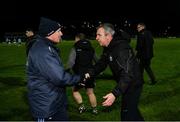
(110,98)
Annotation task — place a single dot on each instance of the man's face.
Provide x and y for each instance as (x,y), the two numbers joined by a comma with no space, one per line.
(139,28)
(77,39)
(56,36)
(29,33)
(102,37)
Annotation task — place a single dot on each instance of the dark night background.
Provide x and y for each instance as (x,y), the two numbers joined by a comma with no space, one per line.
(159,16)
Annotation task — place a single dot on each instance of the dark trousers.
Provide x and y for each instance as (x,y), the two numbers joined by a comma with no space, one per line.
(58,116)
(145,65)
(129,107)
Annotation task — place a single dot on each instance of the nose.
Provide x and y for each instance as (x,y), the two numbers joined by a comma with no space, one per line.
(96,37)
(60,32)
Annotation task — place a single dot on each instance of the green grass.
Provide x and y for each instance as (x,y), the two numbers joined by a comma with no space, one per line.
(159,102)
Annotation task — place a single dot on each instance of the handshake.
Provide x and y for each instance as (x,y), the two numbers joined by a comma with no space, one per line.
(83,79)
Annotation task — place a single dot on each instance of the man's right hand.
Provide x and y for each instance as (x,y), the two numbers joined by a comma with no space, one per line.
(109,99)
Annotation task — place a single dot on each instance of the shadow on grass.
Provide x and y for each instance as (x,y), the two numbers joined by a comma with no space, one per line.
(87,114)
(160,96)
(166,94)
(10,67)
(12,81)
(25,98)
(77,117)
(169,79)
(16,114)
(74,113)
(169,116)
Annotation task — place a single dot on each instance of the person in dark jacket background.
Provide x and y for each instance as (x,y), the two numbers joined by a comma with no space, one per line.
(80,59)
(120,57)
(30,39)
(47,79)
(144,48)
(125,35)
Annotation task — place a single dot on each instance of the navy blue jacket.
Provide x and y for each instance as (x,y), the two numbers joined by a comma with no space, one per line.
(47,79)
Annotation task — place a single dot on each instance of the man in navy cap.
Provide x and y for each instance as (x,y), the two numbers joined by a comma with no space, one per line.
(46,77)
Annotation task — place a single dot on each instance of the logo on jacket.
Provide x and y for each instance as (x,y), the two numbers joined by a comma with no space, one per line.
(50,49)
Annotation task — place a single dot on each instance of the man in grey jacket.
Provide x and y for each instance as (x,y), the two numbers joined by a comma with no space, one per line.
(46,77)
(81,58)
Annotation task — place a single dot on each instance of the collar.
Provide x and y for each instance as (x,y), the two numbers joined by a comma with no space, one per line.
(49,43)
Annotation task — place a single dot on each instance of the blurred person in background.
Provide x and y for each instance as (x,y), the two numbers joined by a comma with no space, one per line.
(144,48)
(30,39)
(80,59)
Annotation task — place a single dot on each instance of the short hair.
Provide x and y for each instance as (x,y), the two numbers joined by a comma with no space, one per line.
(109,28)
(81,36)
(142,24)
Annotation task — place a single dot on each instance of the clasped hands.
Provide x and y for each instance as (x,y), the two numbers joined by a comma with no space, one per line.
(83,79)
(109,98)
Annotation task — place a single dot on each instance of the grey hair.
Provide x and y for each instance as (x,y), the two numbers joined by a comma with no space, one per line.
(109,28)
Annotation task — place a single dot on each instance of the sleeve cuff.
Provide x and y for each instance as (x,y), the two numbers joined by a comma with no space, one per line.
(116,92)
